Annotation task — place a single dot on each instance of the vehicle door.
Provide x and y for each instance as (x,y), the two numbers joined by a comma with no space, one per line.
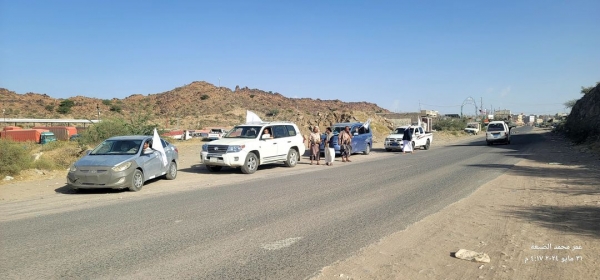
(268,146)
(284,136)
(169,153)
(152,163)
(419,136)
(358,140)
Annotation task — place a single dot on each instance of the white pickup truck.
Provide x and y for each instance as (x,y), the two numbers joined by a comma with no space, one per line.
(473,128)
(216,133)
(420,138)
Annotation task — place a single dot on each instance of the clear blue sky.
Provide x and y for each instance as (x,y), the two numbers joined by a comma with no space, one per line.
(526,56)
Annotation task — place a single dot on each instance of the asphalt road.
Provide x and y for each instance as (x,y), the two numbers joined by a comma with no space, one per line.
(285,227)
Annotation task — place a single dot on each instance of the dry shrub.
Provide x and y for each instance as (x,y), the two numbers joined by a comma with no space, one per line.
(14,157)
(43,163)
(63,156)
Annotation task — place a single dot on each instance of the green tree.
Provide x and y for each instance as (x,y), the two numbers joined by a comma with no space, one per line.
(586,90)
(107,128)
(107,102)
(115,108)
(569,104)
(65,106)
(204,97)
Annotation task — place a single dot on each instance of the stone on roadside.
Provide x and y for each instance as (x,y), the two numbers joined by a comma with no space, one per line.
(8,178)
(472,256)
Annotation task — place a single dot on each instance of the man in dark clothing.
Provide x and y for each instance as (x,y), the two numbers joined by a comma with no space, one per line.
(407,141)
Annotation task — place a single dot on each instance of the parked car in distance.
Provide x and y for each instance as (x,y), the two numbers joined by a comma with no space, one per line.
(247,146)
(473,128)
(120,162)
(362,138)
(216,133)
(497,132)
(421,138)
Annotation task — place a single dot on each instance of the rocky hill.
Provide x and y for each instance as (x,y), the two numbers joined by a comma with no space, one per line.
(583,123)
(199,105)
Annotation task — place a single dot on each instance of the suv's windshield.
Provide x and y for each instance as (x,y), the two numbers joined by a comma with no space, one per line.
(243,132)
(117,147)
(399,130)
(337,129)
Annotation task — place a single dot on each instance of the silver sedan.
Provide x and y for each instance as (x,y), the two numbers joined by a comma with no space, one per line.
(123,162)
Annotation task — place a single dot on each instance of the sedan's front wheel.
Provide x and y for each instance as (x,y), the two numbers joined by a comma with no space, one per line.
(137,181)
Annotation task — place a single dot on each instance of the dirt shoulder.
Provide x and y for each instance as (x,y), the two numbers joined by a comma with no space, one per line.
(551,199)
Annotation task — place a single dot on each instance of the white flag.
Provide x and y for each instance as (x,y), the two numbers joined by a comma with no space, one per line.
(251,117)
(366,124)
(157,146)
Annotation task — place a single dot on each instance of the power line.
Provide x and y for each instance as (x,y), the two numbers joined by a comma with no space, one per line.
(440,105)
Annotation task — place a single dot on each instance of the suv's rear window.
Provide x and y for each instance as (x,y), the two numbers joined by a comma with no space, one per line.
(495,127)
(291,130)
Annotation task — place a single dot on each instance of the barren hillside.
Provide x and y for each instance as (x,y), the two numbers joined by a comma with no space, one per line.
(200,105)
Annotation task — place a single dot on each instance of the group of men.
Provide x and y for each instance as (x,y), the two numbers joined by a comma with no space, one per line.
(344,141)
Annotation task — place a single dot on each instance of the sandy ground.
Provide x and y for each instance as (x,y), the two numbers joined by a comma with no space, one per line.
(532,206)
(539,220)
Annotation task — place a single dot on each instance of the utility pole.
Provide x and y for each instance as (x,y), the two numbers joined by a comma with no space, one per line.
(482,108)
(98,109)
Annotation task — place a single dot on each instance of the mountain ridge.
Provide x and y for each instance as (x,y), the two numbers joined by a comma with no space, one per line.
(198,105)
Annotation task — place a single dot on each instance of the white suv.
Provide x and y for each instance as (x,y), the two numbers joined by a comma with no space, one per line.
(497,132)
(248,146)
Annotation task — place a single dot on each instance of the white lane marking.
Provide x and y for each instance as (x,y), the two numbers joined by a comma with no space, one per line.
(281,243)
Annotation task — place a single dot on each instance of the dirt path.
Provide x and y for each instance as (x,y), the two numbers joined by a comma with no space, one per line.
(551,199)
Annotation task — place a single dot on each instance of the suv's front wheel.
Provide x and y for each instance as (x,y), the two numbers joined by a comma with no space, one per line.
(367,149)
(292,158)
(250,164)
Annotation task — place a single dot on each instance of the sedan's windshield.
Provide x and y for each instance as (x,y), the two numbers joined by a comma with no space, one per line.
(117,147)
(243,132)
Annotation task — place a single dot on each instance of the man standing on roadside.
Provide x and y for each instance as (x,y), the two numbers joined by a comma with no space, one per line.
(344,140)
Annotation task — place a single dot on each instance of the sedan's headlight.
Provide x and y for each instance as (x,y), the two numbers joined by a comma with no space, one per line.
(205,148)
(73,168)
(122,166)
(235,148)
